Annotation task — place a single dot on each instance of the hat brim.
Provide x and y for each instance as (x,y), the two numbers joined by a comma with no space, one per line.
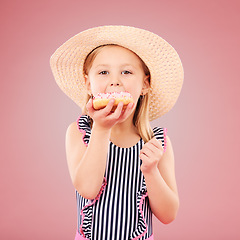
(161,58)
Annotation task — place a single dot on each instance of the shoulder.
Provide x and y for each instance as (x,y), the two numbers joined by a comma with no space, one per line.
(73,133)
(74,143)
(159,131)
(73,127)
(167,160)
(80,130)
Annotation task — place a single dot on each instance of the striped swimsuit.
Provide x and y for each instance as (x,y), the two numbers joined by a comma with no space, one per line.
(121,210)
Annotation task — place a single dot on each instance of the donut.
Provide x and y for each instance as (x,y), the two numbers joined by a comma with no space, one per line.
(102,99)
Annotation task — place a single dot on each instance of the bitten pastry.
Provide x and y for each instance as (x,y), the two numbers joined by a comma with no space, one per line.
(102,99)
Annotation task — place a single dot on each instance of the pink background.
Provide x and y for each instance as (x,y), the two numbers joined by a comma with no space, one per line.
(37,196)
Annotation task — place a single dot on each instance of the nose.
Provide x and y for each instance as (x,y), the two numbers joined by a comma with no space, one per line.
(115,81)
(114,84)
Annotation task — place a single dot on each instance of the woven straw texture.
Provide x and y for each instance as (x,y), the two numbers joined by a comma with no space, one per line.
(161,58)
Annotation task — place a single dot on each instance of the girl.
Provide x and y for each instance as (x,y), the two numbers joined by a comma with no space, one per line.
(122,170)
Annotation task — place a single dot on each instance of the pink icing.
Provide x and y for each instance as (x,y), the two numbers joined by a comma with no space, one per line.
(112,95)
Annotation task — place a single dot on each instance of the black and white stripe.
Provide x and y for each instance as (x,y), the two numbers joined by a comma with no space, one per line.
(116,214)
(160,134)
(84,125)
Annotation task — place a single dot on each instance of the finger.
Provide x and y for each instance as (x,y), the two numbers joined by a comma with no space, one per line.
(154,147)
(157,143)
(117,113)
(143,157)
(128,109)
(147,151)
(109,106)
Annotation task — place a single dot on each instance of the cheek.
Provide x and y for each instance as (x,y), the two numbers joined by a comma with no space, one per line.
(135,92)
(96,86)
(97,89)
(136,88)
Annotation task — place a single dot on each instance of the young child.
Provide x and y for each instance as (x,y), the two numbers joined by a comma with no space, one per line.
(122,170)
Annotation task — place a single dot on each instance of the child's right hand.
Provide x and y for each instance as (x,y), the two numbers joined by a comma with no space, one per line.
(105,118)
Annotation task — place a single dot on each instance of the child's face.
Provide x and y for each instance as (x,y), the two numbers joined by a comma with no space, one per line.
(117,69)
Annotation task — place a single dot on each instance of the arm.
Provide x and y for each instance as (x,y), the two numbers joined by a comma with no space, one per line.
(87,164)
(159,173)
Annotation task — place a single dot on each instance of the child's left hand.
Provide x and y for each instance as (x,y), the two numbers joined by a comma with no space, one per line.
(150,154)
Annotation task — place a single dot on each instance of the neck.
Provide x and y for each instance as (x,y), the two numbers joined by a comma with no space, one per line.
(124,134)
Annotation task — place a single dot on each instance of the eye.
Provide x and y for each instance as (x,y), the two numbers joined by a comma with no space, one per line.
(103,72)
(126,72)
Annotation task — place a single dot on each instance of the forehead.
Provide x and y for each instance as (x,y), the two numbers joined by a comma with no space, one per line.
(110,52)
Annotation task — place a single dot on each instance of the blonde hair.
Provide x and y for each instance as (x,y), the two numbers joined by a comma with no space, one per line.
(141,115)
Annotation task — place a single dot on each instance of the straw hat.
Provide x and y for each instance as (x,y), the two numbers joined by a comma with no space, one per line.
(161,58)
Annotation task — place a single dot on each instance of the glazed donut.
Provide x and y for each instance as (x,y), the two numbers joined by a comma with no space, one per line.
(102,99)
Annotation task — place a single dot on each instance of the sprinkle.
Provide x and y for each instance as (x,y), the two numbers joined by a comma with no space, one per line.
(112,95)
